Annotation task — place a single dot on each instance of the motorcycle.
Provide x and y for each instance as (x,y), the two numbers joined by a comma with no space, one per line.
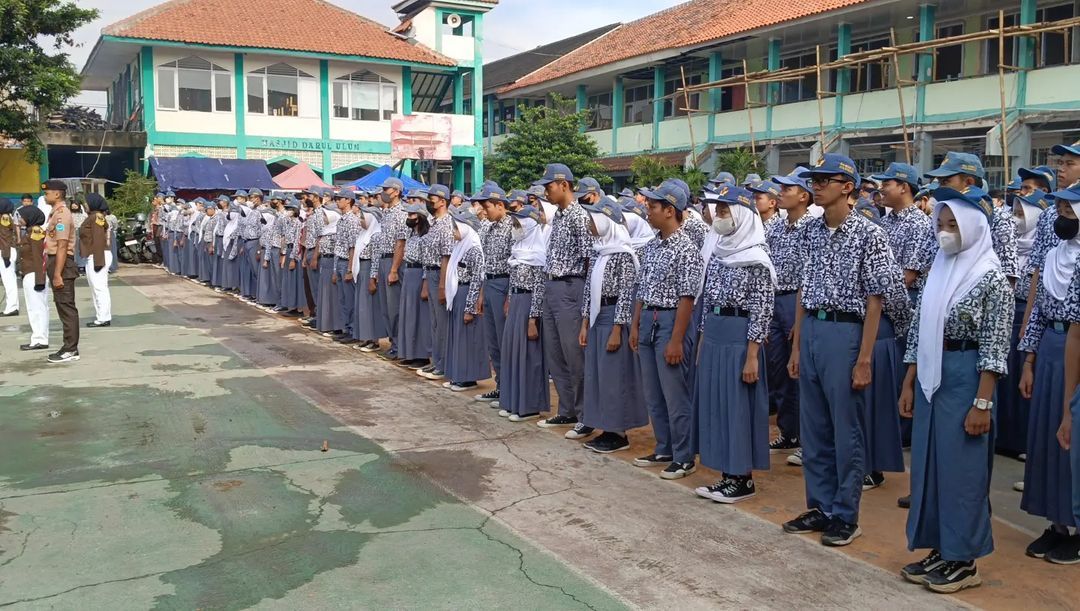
(137,245)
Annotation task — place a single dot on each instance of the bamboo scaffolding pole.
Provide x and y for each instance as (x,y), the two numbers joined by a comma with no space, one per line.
(1001,92)
(749,108)
(900,98)
(689,119)
(820,106)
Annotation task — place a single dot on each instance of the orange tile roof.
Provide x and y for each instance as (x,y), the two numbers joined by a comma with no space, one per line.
(691,23)
(290,25)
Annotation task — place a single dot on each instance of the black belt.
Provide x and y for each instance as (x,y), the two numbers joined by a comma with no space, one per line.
(341,258)
(608,301)
(1061,326)
(739,312)
(832,316)
(518,291)
(363,259)
(786,293)
(463,284)
(960,345)
(566,278)
(653,308)
(414,265)
(431,268)
(497,276)
(327,256)
(386,256)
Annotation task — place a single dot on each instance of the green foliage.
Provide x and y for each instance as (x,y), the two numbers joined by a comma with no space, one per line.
(543,135)
(133,196)
(34,83)
(741,162)
(650,171)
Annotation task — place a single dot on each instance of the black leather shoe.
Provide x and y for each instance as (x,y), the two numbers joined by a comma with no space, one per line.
(95,324)
(34,347)
(15,313)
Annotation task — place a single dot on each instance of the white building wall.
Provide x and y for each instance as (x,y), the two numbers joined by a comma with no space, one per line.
(194,122)
(368,131)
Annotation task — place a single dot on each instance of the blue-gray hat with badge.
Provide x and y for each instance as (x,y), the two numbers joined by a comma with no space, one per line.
(440,191)
(528,212)
(553,172)
(1038,198)
(223,198)
(630,205)
(240,193)
(417,194)
(669,193)
(958,163)
(518,196)
(900,172)
(393,183)
(416,209)
(795,179)
(256,192)
(1069,194)
(723,178)
(586,186)
(970,195)
(767,187)
(1067,149)
(750,179)
(734,195)
(928,189)
(626,192)
(348,194)
(834,164)
(1043,173)
(464,215)
(866,208)
(490,191)
(457,193)
(607,206)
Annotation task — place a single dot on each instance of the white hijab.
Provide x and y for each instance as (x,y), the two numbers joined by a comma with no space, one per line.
(1025,229)
(364,237)
(1060,264)
(950,279)
(531,249)
(469,240)
(746,245)
(330,226)
(231,225)
(613,238)
(641,233)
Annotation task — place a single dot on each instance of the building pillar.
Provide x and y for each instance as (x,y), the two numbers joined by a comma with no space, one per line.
(772,159)
(715,63)
(617,94)
(459,174)
(240,105)
(459,92)
(843,77)
(324,114)
(582,102)
(924,152)
(149,94)
(658,104)
(477,94)
(490,109)
(1026,55)
(927,31)
(406,90)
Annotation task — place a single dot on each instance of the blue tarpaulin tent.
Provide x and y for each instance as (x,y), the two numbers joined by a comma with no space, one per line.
(377,176)
(208,174)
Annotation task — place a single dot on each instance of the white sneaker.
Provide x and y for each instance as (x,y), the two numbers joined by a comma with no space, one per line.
(494,403)
(1018,486)
(446,385)
(503,413)
(580,431)
(517,418)
(795,459)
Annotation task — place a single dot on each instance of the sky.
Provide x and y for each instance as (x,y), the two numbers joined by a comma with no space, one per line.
(509,29)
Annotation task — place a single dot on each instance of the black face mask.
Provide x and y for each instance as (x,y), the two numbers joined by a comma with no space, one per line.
(430,208)
(412,222)
(1066,228)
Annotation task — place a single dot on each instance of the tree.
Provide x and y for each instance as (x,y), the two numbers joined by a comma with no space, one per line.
(133,196)
(651,171)
(34,83)
(543,135)
(741,162)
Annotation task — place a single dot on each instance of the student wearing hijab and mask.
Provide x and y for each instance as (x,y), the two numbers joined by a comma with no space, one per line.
(230,255)
(525,390)
(439,243)
(956,349)
(1047,478)
(93,242)
(636,216)
(732,394)
(613,398)
(1068,433)
(369,322)
(414,342)
(328,307)
(466,359)
(8,256)
(308,253)
(35,279)
(291,297)
(269,252)
(207,269)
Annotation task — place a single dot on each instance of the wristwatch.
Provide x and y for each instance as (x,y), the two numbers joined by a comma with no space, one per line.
(983,405)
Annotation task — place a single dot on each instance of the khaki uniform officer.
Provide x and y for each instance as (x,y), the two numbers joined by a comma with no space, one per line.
(60,267)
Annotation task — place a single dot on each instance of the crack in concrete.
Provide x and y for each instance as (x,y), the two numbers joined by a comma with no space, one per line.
(22,547)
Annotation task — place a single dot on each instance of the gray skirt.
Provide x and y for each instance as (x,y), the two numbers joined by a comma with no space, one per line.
(613,399)
(884,448)
(328,303)
(292,287)
(524,388)
(369,323)
(230,273)
(466,356)
(268,280)
(414,317)
(732,416)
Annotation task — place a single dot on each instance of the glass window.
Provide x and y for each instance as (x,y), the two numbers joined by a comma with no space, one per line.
(992,49)
(949,61)
(1054,52)
(866,76)
(388,101)
(280,90)
(732,98)
(256,97)
(675,106)
(166,91)
(600,107)
(341,100)
(364,96)
(195,85)
(222,91)
(804,88)
(638,105)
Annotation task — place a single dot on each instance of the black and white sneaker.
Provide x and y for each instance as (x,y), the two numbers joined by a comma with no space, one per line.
(607,443)
(1067,552)
(556,421)
(488,397)
(521,418)
(873,480)
(34,347)
(678,470)
(423,370)
(953,576)
(795,460)
(904,502)
(840,533)
(1046,542)
(730,490)
(916,572)
(652,460)
(580,431)
(96,324)
(370,347)
(783,445)
(64,356)
(813,521)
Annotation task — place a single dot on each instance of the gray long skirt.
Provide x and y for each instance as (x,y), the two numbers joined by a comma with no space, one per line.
(466,352)
(249,268)
(524,386)
(230,273)
(192,253)
(269,291)
(884,447)
(414,317)
(613,399)
(292,287)
(327,302)
(369,322)
(206,264)
(732,416)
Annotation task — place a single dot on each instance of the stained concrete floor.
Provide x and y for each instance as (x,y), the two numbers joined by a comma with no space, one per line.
(178,465)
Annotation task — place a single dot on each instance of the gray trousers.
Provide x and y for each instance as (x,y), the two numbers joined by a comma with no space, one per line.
(565,356)
(390,296)
(440,320)
(495,290)
(666,387)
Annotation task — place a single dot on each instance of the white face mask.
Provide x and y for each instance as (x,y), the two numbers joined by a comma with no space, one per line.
(949,242)
(724,226)
(517,234)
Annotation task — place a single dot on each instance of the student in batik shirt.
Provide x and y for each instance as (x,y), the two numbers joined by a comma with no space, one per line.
(956,349)
(767,200)
(466,362)
(414,342)
(1068,434)
(911,237)
(347,230)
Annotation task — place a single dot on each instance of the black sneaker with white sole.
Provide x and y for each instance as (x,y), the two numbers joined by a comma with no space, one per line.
(733,490)
(953,576)
(580,431)
(795,459)
(606,443)
(840,533)
(1047,541)
(783,445)
(488,397)
(916,572)
(64,356)
(678,470)
(813,521)
(556,421)
(873,480)
(1067,552)
(652,460)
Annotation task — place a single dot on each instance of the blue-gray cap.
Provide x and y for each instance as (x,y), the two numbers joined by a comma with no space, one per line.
(970,195)
(588,185)
(626,192)
(1038,198)
(1069,194)
(735,195)
(537,191)
(440,191)
(393,183)
(765,186)
(170,193)
(928,189)
(1067,149)
(723,177)
(901,172)
(958,163)
(528,212)
(750,178)
(1014,184)
(291,202)
(240,193)
(1042,173)
(417,194)
(630,205)
(795,179)
(519,196)
(348,194)
(607,206)
(415,209)
(223,198)
(669,193)
(490,191)
(255,192)
(553,172)
(465,215)
(832,164)
(373,211)
(682,185)
(457,193)
(868,210)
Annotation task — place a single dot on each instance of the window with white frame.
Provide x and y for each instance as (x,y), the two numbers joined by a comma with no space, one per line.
(364,96)
(638,104)
(195,85)
(599,106)
(677,105)
(805,88)
(281,90)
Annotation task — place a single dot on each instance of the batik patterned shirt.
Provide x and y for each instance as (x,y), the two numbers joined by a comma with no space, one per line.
(1044,313)
(394,229)
(670,269)
(530,278)
(250,224)
(1045,240)
(773,226)
(1003,234)
(348,227)
(747,288)
(789,249)
(415,246)
(470,268)
(440,241)
(620,277)
(497,242)
(912,240)
(569,243)
(845,266)
(984,315)
(696,229)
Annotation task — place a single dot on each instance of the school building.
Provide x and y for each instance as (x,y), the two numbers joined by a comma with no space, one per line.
(952,94)
(290,81)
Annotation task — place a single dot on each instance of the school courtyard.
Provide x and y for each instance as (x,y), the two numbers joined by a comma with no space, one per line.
(205,455)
